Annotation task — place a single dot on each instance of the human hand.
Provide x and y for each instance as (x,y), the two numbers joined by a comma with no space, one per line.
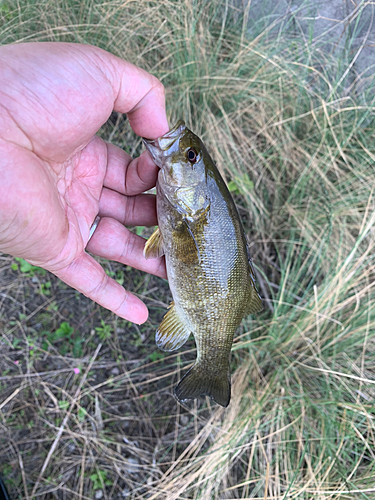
(57,175)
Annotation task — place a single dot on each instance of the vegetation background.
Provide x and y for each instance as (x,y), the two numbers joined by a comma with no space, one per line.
(86,406)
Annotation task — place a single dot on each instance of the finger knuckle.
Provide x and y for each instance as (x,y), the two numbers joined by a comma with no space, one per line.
(129,246)
(123,302)
(130,209)
(158,87)
(99,286)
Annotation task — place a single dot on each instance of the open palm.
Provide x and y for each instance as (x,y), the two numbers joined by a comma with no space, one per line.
(57,175)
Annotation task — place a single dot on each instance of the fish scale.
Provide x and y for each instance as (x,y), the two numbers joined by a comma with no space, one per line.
(207,260)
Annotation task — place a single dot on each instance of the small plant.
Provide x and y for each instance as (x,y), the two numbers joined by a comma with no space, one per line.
(100,479)
(6,470)
(64,331)
(45,288)
(27,268)
(104,331)
(140,230)
(81,414)
(240,185)
(64,405)
(156,355)
(64,337)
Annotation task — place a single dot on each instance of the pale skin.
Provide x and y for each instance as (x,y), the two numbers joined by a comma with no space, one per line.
(56,175)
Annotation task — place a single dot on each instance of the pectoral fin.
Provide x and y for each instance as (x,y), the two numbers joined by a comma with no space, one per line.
(190,231)
(154,246)
(172,333)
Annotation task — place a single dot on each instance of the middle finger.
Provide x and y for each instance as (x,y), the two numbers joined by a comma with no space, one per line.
(137,210)
(127,175)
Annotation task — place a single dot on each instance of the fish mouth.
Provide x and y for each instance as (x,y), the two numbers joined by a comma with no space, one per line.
(166,144)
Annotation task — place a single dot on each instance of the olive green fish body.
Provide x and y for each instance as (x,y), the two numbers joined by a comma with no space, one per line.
(208,268)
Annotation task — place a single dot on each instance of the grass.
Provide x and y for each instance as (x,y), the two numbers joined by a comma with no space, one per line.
(86,401)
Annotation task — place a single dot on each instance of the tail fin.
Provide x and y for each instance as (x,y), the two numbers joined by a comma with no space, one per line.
(198,382)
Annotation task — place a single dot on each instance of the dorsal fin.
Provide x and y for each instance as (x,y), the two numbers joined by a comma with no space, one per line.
(254,303)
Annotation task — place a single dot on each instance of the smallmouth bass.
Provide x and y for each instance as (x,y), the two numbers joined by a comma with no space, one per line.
(208,263)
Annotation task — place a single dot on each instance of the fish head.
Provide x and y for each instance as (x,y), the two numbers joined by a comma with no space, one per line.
(180,155)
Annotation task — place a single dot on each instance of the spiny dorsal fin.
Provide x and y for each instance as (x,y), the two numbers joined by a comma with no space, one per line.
(154,246)
(171,333)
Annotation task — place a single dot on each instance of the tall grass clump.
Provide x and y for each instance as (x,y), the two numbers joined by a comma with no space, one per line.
(291,128)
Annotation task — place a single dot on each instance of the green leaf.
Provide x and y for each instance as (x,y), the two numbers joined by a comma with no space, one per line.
(27,268)
(154,356)
(15,342)
(232,186)
(65,330)
(81,414)
(64,405)
(77,348)
(104,331)
(240,185)
(139,230)
(24,265)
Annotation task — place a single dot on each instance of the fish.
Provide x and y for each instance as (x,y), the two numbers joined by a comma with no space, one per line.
(209,268)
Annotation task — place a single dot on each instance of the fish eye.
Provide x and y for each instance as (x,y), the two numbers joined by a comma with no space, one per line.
(192,155)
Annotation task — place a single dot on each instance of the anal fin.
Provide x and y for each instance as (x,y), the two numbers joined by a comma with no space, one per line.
(171,333)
